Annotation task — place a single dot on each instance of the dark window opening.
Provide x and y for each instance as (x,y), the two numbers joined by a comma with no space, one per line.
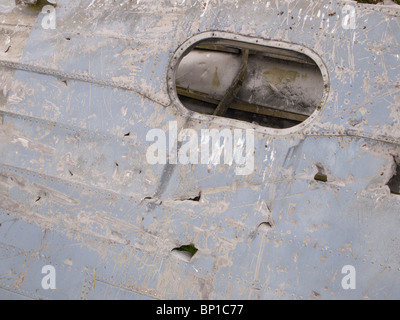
(272,87)
(394,182)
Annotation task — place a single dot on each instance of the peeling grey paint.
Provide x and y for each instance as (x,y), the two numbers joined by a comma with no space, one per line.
(70,110)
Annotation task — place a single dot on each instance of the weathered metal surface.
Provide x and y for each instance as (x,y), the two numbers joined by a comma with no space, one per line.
(76,191)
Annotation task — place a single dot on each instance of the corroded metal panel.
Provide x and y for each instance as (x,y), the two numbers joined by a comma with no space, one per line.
(77,191)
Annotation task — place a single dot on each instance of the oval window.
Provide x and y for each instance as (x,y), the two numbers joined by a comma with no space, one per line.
(268,85)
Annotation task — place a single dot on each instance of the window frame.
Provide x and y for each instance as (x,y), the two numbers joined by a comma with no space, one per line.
(192,42)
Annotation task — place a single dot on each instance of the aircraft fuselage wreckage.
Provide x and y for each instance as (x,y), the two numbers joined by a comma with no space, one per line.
(217,149)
